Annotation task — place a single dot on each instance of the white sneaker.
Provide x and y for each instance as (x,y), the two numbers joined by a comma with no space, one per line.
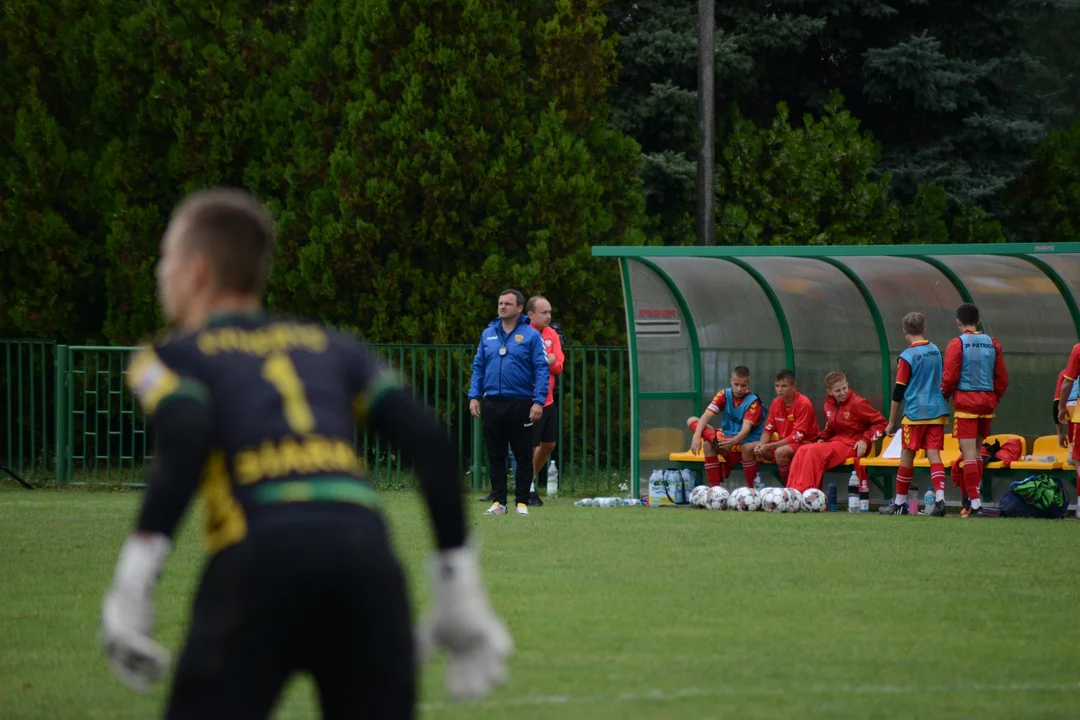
(496,509)
(521,509)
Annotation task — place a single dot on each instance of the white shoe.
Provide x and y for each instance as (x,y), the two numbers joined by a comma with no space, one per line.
(496,509)
(521,509)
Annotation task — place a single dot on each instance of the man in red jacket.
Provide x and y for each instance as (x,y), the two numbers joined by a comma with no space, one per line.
(852,425)
(974,376)
(792,417)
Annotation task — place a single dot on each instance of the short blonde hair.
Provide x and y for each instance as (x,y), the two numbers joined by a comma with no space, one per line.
(833,378)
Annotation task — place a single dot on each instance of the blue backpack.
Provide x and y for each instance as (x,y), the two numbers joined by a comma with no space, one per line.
(1036,496)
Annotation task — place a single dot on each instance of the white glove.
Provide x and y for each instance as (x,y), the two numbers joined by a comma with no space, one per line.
(464,624)
(127,614)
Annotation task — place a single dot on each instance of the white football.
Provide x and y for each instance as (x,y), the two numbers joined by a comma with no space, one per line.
(745,499)
(794,499)
(717,498)
(813,500)
(699,496)
(773,499)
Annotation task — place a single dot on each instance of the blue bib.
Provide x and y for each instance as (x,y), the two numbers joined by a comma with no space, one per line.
(731,417)
(922,397)
(977,366)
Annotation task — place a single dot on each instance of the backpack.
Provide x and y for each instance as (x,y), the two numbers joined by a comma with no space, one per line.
(1038,496)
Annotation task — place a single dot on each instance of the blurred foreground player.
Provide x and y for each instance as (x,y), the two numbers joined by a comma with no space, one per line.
(260,413)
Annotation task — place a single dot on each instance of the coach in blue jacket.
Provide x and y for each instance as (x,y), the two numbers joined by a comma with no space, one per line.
(510,372)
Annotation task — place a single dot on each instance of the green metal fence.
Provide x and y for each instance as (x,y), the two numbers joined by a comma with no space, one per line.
(71,416)
(27,396)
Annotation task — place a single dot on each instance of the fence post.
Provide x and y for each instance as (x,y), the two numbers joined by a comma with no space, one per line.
(477,459)
(60,409)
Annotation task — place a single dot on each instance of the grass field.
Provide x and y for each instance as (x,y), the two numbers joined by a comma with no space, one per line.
(631,613)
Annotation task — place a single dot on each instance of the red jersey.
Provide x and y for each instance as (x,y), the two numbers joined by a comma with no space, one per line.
(1057,388)
(753,413)
(853,420)
(972,403)
(552,345)
(796,423)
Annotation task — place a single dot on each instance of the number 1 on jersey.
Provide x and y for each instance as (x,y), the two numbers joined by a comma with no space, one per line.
(280,372)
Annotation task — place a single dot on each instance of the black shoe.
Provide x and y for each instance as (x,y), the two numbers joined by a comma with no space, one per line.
(488,498)
(939,509)
(894,509)
(534,500)
(968,512)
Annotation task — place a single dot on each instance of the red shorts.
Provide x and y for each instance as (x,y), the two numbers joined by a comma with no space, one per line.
(1074,440)
(923,437)
(971,428)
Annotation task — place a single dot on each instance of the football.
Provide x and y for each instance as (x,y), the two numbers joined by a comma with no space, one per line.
(773,499)
(717,498)
(794,500)
(699,496)
(744,499)
(813,500)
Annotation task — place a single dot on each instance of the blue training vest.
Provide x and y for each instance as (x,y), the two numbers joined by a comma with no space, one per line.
(731,417)
(922,397)
(1074,393)
(977,366)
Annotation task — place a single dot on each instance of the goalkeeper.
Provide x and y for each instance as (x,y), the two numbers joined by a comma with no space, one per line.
(259,414)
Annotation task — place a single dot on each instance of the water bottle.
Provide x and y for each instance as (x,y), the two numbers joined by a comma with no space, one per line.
(758,485)
(586,502)
(631,502)
(832,497)
(552,480)
(928,500)
(913,500)
(607,502)
(853,493)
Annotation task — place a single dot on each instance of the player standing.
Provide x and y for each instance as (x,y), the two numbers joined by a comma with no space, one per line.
(260,413)
(918,389)
(974,376)
(1065,416)
(792,417)
(852,426)
(1065,431)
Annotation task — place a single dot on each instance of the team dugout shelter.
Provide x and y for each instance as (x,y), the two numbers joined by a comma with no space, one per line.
(694,313)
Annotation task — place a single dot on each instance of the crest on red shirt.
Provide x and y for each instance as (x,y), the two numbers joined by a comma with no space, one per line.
(847,414)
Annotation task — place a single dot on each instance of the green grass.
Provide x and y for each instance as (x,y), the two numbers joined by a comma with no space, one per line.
(630,613)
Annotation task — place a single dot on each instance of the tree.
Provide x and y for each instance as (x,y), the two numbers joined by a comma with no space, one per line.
(418,157)
(1047,199)
(809,185)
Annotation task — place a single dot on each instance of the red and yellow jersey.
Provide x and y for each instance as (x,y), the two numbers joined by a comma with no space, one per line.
(796,423)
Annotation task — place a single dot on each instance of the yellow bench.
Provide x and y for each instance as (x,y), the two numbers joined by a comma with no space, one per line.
(688,457)
(1045,446)
(1003,438)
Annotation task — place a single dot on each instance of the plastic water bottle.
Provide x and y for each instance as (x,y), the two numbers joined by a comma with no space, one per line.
(913,500)
(552,480)
(832,497)
(607,502)
(586,502)
(631,502)
(928,500)
(853,493)
(758,485)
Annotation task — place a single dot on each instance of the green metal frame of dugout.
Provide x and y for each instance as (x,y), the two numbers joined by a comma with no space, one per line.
(693,313)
